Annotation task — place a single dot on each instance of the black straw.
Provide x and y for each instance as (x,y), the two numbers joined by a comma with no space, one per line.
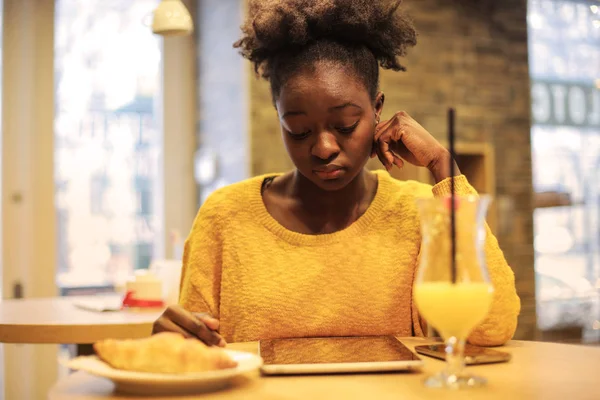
(451,140)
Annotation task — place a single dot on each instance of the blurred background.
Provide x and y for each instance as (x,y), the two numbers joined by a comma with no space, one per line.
(112,137)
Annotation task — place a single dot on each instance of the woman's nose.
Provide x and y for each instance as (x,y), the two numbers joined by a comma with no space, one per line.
(326,146)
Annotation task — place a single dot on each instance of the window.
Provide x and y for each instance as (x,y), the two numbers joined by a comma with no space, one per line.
(107,140)
(1,197)
(564,47)
(99,184)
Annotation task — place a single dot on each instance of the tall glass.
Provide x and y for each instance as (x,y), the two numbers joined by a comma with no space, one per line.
(453,300)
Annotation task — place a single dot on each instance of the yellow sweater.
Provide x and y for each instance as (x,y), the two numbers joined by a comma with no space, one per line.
(264,281)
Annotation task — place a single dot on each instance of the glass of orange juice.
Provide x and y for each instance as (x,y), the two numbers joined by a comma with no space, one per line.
(453,296)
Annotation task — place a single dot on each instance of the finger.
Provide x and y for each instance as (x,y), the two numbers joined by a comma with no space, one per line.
(398,161)
(381,157)
(188,321)
(208,320)
(376,136)
(165,325)
(382,128)
(384,147)
(209,336)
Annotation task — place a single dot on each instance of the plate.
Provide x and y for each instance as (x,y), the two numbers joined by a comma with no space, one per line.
(150,384)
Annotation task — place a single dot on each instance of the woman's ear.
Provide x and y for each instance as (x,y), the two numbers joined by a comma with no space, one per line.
(379,100)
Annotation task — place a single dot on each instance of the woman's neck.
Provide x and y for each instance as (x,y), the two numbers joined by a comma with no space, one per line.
(359,192)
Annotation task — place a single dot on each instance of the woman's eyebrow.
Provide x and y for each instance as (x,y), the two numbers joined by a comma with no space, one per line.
(334,108)
(345,105)
(293,113)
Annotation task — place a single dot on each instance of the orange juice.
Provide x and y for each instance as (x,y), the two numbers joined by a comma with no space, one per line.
(453,309)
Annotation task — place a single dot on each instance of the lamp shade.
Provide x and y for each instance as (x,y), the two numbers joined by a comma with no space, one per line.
(171,18)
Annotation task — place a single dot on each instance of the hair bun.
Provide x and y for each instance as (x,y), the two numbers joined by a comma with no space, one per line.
(273,26)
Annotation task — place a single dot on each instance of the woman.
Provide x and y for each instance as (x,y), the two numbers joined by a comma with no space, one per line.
(331,248)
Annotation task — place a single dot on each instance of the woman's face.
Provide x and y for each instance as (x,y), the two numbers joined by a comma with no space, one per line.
(328,122)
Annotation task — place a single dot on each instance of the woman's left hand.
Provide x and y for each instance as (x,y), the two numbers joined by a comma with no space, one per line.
(401,138)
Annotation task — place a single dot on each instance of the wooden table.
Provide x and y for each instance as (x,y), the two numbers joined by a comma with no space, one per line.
(58,320)
(537,371)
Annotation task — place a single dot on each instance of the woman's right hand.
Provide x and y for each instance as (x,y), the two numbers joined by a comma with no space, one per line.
(191,325)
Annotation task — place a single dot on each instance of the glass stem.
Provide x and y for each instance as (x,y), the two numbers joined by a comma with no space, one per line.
(455,357)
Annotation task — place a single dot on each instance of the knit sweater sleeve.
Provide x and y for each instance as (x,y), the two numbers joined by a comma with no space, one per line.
(501,322)
(202,260)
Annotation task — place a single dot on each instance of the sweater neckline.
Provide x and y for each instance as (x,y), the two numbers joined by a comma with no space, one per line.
(358,227)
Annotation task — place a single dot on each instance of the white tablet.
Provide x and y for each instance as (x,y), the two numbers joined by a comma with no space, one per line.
(336,355)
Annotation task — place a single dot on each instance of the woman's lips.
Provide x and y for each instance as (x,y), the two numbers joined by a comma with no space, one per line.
(329,173)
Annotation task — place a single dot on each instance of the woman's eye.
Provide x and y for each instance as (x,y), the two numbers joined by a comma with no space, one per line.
(347,129)
(299,136)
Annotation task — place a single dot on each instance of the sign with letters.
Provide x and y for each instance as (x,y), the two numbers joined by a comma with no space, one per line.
(565,104)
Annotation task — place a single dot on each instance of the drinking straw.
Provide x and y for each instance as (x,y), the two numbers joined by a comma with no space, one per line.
(451,140)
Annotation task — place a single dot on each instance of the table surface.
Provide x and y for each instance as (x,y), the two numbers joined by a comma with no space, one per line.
(537,371)
(58,320)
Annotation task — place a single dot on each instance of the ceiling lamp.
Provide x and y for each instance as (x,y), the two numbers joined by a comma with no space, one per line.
(171,18)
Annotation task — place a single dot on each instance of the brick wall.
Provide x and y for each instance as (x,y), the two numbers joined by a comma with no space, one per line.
(471,55)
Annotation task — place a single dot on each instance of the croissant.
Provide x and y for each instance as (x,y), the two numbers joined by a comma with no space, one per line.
(166,353)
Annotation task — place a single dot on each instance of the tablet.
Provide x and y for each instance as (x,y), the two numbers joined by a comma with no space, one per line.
(336,355)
